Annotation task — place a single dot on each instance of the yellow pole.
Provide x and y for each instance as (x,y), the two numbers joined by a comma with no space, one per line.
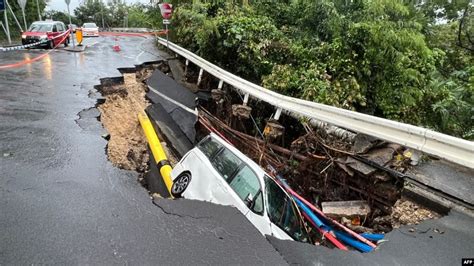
(157,150)
(79,36)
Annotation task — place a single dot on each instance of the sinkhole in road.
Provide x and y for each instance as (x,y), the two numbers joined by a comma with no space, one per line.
(319,180)
(321,167)
(123,99)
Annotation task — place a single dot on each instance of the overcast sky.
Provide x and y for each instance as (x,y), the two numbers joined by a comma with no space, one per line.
(61,4)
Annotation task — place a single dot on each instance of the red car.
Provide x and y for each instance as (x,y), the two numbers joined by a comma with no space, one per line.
(45,31)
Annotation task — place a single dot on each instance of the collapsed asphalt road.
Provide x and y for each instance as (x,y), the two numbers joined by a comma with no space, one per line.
(61,201)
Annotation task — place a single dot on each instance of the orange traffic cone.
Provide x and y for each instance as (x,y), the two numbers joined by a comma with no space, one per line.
(116,47)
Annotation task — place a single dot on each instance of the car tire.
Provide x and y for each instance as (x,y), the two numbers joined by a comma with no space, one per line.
(180,184)
(51,44)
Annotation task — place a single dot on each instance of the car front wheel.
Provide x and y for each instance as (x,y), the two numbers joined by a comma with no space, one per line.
(180,184)
(51,44)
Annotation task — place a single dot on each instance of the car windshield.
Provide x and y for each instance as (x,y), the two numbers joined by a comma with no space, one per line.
(282,211)
(37,27)
(89,25)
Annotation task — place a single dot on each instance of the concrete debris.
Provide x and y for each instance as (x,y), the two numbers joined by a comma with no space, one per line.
(363,143)
(381,156)
(217,95)
(241,111)
(360,166)
(273,130)
(347,209)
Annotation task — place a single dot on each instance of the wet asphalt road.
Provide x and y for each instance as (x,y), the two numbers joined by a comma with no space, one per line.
(62,202)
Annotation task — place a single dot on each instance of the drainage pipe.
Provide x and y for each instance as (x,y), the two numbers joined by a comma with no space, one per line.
(157,150)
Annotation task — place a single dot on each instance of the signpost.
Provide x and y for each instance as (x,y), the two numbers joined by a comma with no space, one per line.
(166,11)
(22,4)
(70,26)
(7,28)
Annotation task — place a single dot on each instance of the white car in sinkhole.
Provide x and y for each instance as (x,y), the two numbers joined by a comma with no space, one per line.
(217,172)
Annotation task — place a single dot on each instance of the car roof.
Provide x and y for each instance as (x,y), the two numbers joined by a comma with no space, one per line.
(255,167)
(46,22)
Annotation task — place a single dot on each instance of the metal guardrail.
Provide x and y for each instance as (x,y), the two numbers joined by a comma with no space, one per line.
(453,149)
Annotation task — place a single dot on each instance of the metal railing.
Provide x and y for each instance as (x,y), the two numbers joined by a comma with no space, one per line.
(453,149)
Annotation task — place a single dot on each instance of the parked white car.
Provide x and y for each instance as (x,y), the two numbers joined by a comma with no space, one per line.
(217,172)
(90,29)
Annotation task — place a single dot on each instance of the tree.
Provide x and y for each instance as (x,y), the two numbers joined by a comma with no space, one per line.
(91,11)
(31,13)
(60,16)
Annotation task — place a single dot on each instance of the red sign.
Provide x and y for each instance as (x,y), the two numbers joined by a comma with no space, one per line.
(166,10)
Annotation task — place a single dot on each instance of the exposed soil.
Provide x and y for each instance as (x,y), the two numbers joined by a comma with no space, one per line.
(127,147)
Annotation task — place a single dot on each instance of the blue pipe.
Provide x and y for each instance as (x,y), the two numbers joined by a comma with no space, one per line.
(352,242)
(310,214)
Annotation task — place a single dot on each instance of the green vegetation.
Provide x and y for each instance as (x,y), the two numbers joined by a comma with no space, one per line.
(385,57)
(31,14)
(118,14)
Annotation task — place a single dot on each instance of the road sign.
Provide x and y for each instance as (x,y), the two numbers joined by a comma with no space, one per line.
(2,4)
(22,4)
(166,10)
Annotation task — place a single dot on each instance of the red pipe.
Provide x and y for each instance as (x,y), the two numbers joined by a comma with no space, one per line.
(212,129)
(318,211)
(326,234)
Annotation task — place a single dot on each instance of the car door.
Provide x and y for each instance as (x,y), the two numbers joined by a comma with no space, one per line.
(286,222)
(247,191)
(55,33)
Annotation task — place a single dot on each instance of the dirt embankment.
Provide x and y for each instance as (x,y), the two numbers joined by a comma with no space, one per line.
(127,147)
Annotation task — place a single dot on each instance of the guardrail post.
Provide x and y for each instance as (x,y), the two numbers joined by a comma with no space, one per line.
(186,68)
(200,76)
(246,98)
(221,83)
(277,114)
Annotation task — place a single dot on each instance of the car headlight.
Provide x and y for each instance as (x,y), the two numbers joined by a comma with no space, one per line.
(43,36)
(23,36)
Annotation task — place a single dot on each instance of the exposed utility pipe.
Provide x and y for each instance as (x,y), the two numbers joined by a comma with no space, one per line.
(157,150)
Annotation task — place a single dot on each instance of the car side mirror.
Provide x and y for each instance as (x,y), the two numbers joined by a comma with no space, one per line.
(249,200)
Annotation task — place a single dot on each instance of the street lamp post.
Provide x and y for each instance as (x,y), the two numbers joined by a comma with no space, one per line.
(70,22)
(38,8)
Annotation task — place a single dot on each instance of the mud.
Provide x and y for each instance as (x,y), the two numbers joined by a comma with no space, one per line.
(127,146)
